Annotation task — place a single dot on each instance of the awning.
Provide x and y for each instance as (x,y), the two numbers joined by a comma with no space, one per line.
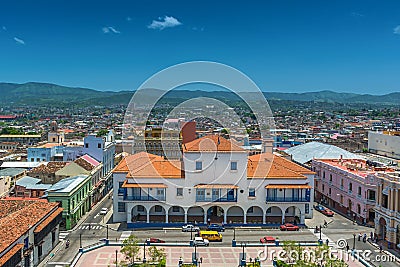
(219,186)
(288,186)
(128,185)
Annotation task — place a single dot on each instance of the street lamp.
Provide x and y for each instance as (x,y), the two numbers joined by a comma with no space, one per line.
(116,258)
(144,252)
(80,240)
(354,241)
(320,232)
(107,231)
(234,233)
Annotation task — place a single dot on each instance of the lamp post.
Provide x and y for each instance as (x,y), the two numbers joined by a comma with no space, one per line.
(234,233)
(80,240)
(354,241)
(144,252)
(107,231)
(195,254)
(320,232)
(116,258)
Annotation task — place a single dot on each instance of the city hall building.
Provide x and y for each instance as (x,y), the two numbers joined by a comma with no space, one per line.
(215,181)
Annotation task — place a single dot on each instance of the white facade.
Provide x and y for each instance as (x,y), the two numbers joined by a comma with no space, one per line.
(384,144)
(220,190)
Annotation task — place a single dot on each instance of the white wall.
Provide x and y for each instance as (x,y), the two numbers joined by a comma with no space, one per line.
(386,145)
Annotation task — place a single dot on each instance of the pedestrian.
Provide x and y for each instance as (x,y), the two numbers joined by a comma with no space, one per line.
(365,238)
(325,224)
(347,247)
(380,248)
(180,261)
(208,221)
(372,236)
(327,242)
(359,236)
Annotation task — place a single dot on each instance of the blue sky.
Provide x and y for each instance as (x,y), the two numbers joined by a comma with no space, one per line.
(288,46)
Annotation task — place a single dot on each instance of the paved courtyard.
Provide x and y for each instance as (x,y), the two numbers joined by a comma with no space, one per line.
(212,256)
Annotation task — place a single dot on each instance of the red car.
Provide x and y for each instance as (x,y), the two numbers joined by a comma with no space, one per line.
(267,239)
(155,240)
(289,227)
(328,212)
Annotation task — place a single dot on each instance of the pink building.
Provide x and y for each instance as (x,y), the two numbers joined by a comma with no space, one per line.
(347,186)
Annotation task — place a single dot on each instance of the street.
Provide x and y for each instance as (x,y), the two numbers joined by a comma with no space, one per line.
(93,229)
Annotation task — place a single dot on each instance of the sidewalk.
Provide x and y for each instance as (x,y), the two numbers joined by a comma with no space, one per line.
(53,253)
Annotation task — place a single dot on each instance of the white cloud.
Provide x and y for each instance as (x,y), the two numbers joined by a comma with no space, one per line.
(4,28)
(162,23)
(109,29)
(357,14)
(396,30)
(18,40)
(128,18)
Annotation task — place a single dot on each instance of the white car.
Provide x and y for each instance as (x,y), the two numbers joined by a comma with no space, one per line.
(103,211)
(190,228)
(199,241)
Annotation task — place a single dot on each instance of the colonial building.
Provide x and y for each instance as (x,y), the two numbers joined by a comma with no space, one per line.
(73,194)
(215,180)
(387,220)
(29,230)
(347,186)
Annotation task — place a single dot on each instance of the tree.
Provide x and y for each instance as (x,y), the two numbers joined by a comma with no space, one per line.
(157,255)
(102,132)
(130,248)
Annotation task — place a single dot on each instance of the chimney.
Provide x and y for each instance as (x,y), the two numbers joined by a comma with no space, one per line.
(267,145)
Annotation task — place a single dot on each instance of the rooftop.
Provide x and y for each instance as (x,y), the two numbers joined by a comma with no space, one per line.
(267,165)
(148,165)
(212,143)
(14,221)
(68,184)
(49,168)
(358,167)
(316,150)
(12,171)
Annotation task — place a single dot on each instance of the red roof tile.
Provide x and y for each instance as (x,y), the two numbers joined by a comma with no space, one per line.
(212,143)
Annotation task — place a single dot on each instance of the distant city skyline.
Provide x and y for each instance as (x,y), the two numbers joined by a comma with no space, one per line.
(287,46)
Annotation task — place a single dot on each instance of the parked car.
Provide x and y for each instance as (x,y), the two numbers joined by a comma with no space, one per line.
(319,208)
(289,227)
(103,211)
(190,228)
(267,239)
(328,212)
(216,227)
(155,240)
(199,241)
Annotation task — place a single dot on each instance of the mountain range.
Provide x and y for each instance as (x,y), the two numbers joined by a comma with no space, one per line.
(32,93)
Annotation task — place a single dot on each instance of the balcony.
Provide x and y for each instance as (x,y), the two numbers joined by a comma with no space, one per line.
(215,199)
(144,198)
(287,199)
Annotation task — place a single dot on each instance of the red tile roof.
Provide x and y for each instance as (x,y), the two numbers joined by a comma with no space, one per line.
(148,165)
(18,216)
(267,165)
(49,168)
(211,143)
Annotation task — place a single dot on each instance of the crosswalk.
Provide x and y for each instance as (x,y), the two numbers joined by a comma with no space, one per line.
(124,235)
(90,227)
(62,235)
